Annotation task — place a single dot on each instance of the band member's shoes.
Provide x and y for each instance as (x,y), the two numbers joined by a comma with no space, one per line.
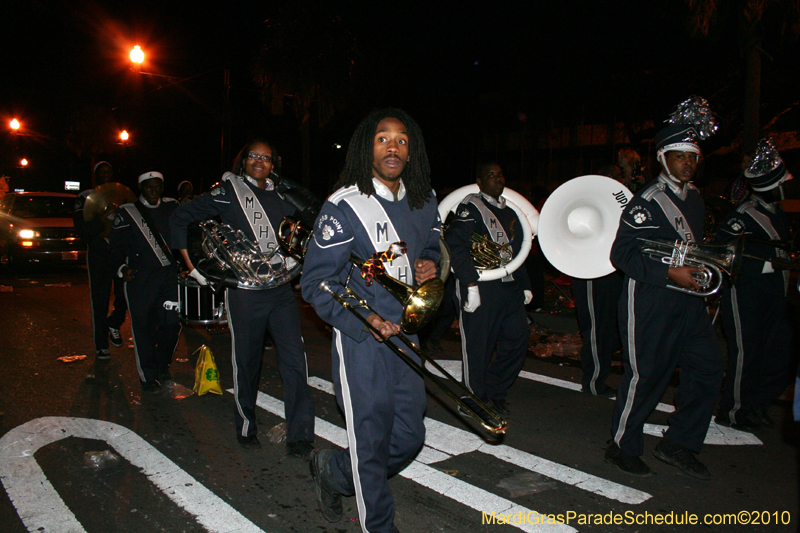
(329,500)
(151,387)
(501,406)
(628,464)
(249,443)
(472,404)
(683,458)
(102,355)
(743,423)
(114,337)
(763,419)
(300,449)
(164,375)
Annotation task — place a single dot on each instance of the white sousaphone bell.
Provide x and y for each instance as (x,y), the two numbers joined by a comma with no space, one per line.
(578,225)
(527,214)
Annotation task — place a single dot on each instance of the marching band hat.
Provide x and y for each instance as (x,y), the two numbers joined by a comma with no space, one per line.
(151,175)
(767,170)
(692,121)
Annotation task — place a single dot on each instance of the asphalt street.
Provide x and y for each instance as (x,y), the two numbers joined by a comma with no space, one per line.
(82,449)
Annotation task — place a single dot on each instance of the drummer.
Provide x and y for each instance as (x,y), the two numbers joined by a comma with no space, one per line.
(142,259)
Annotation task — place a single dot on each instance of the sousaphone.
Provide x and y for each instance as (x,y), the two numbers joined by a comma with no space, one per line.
(578,225)
(528,217)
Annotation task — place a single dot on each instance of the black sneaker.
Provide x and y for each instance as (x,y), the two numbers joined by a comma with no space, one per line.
(102,355)
(151,387)
(330,501)
(501,406)
(249,443)
(683,458)
(628,464)
(744,424)
(763,419)
(301,449)
(164,375)
(114,337)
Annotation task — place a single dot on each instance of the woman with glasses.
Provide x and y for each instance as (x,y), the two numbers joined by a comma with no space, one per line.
(246,200)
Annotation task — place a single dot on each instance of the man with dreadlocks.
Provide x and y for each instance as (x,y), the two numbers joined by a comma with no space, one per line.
(384,197)
(663,328)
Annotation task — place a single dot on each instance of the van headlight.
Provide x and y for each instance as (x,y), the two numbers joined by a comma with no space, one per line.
(28,234)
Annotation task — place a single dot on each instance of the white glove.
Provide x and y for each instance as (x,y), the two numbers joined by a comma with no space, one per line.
(198,277)
(473,299)
(528,296)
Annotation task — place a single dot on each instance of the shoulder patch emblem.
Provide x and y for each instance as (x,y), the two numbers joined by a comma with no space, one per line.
(464,213)
(639,217)
(327,233)
(218,191)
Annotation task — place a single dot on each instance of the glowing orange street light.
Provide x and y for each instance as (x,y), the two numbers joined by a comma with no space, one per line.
(124,135)
(14,124)
(23,162)
(137,55)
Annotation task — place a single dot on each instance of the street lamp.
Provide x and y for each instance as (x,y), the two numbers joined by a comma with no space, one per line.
(124,136)
(137,55)
(14,124)
(23,162)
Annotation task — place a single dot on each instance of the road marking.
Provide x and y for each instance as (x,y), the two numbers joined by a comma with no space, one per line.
(716,435)
(450,441)
(446,485)
(41,508)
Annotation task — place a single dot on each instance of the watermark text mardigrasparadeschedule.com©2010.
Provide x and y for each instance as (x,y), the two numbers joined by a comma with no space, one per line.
(633,518)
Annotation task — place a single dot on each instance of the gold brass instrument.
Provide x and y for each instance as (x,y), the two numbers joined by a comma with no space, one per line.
(492,421)
(103,198)
(293,236)
(487,254)
(234,252)
(419,305)
(713,260)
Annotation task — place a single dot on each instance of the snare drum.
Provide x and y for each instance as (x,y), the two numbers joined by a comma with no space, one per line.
(200,305)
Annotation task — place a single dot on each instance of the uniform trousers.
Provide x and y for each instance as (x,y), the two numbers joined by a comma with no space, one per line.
(155,330)
(662,329)
(101,278)
(759,336)
(499,322)
(251,313)
(596,302)
(383,400)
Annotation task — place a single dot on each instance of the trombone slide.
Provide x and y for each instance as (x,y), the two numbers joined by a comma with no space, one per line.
(495,424)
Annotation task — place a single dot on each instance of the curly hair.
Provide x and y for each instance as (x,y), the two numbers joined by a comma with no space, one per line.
(358,165)
(241,157)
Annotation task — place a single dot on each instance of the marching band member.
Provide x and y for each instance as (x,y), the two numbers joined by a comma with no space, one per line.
(755,310)
(142,259)
(492,313)
(384,197)
(246,200)
(101,275)
(663,328)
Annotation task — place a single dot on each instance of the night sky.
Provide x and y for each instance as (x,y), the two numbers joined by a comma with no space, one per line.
(470,73)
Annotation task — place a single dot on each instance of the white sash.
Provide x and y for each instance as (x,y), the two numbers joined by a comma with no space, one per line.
(496,230)
(381,232)
(254,212)
(764,221)
(138,219)
(675,216)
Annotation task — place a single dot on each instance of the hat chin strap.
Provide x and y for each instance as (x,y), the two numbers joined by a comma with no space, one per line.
(663,161)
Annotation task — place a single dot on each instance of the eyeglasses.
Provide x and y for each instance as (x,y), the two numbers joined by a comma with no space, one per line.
(258,157)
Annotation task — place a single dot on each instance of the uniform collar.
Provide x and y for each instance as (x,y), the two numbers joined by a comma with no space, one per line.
(270,184)
(771,207)
(384,192)
(669,182)
(501,203)
(146,204)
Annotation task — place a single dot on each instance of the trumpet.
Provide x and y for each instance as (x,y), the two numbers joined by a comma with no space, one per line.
(712,260)
(491,420)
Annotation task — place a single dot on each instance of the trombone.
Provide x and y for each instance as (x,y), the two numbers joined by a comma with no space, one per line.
(491,420)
